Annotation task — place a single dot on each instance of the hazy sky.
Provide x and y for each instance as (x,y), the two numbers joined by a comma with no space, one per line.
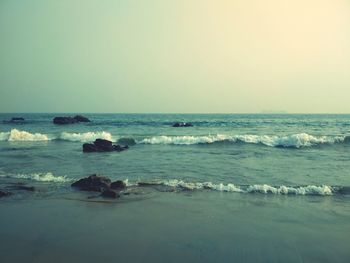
(229,56)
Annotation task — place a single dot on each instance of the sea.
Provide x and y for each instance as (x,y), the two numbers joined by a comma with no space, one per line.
(230,188)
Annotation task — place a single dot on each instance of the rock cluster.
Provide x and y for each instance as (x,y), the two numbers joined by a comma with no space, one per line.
(102,184)
(4,193)
(70,120)
(15,119)
(182,124)
(101,145)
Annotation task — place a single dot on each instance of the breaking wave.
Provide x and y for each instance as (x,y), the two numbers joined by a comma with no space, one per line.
(293,141)
(16,135)
(40,177)
(290,141)
(322,190)
(175,185)
(85,137)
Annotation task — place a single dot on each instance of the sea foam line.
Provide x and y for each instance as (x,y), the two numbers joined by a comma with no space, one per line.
(295,140)
(292,141)
(40,177)
(16,135)
(86,136)
(257,188)
(321,190)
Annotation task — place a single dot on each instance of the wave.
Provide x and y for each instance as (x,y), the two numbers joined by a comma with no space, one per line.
(17,135)
(293,141)
(85,137)
(40,177)
(172,185)
(322,190)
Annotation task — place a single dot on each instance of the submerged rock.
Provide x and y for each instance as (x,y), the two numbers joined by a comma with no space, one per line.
(344,190)
(94,183)
(4,193)
(182,124)
(118,185)
(70,120)
(101,145)
(108,193)
(120,148)
(15,119)
(22,187)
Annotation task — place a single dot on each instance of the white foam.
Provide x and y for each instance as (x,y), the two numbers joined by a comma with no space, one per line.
(300,190)
(41,177)
(258,188)
(185,140)
(200,186)
(17,135)
(86,137)
(295,140)
(4,136)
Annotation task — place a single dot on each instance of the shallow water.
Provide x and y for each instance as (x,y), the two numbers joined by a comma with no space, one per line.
(245,188)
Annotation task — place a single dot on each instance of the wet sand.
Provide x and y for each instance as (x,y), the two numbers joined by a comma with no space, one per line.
(176,227)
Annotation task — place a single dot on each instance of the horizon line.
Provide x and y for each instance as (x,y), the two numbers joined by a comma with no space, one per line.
(184,113)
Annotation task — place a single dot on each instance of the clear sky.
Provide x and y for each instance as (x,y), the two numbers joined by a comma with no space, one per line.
(229,56)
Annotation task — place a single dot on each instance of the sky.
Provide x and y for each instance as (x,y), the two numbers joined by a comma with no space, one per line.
(175,56)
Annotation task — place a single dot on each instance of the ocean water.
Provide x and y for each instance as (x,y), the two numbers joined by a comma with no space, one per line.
(250,188)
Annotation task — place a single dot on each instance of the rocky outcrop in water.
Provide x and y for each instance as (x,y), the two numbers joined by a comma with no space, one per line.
(108,193)
(102,184)
(101,145)
(118,185)
(70,120)
(96,183)
(64,120)
(80,118)
(17,119)
(22,187)
(4,193)
(182,124)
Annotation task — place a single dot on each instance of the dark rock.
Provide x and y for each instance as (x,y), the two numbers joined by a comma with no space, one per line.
(22,187)
(70,120)
(118,185)
(344,190)
(64,120)
(182,124)
(104,145)
(94,182)
(108,193)
(3,193)
(17,119)
(89,147)
(101,145)
(127,141)
(80,118)
(120,148)
(347,139)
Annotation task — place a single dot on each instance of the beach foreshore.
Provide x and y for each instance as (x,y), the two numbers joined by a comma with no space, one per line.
(176,227)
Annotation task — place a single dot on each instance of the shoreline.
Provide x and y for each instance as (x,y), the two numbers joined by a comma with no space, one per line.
(177,227)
